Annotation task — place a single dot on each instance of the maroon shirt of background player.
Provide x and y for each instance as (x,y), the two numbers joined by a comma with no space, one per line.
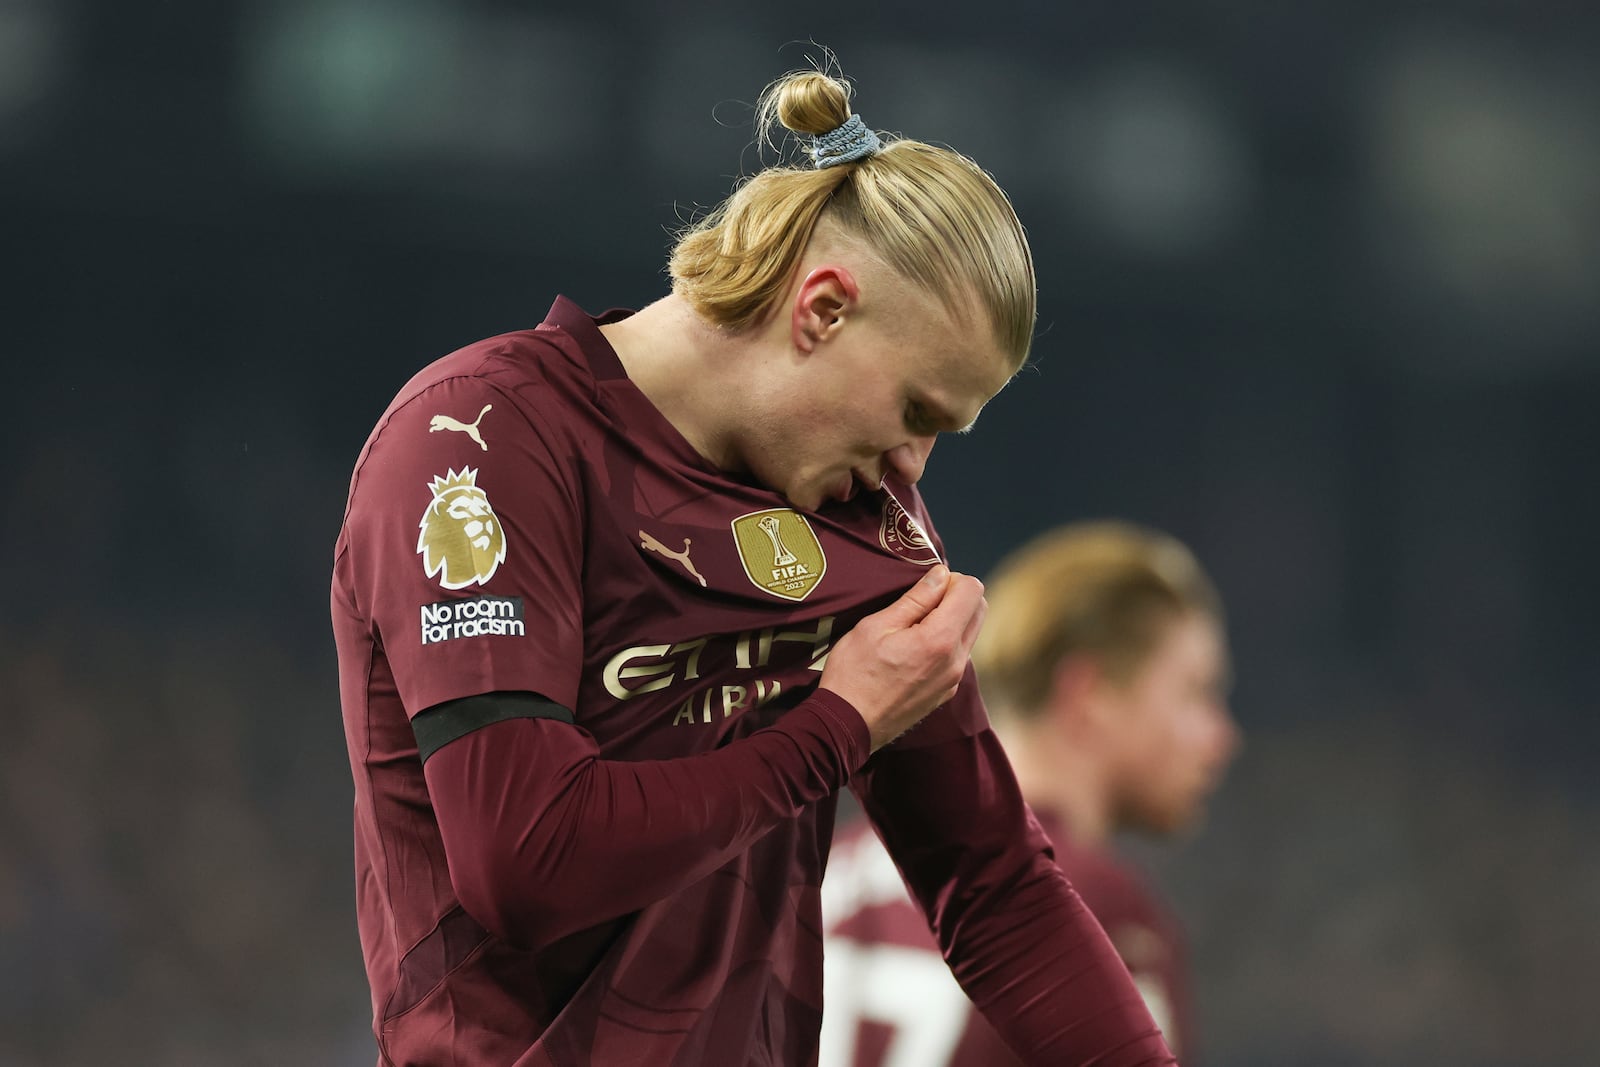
(627,871)
(890,995)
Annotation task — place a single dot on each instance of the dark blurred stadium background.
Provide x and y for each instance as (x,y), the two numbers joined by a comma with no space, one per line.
(1320,293)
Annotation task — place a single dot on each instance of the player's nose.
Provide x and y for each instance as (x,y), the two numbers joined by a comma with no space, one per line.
(1229,739)
(910,459)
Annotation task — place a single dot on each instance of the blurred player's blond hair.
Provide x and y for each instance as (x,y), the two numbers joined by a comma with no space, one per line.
(931,214)
(1105,590)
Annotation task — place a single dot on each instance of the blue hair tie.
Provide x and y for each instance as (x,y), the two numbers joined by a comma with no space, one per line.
(844,144)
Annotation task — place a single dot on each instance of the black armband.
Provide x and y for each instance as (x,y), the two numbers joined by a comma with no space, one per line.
(441,724)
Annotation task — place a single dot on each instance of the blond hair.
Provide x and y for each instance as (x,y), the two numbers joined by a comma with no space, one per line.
(930,213)
(1105,590)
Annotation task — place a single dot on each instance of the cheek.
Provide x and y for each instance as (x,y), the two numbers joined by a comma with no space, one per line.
(1183,723)
(782,454)
(863,416)
(1172,738)
(1171,754)
(825,437)
(1204,730)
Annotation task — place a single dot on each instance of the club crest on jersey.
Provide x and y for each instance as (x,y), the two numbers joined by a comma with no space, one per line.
(904,535)
(780,552)
(461,540)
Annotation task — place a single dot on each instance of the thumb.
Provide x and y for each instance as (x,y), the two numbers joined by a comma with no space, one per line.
(915,603)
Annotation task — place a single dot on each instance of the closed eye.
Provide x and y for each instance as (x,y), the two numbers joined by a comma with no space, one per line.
(923,420)
(919,420)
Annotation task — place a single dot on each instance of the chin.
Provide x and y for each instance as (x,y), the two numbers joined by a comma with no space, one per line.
(795,496)
(806,499)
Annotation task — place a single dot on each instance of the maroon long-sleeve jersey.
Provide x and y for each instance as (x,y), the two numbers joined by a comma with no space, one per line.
(625,867)
(891,999)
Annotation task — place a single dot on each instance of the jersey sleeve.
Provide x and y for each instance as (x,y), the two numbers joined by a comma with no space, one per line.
(466,547)
(1147,938)
(544,838)
(1016,936)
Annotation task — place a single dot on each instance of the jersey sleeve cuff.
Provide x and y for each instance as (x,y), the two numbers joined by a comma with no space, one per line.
(845,728)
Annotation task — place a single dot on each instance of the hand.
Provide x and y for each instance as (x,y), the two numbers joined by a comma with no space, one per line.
(899,664)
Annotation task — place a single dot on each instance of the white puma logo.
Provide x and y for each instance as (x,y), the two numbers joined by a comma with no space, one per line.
(445,422)
(648,542)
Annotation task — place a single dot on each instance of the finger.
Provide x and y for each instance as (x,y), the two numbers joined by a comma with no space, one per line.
(969,636)
(915,603)
(961,599)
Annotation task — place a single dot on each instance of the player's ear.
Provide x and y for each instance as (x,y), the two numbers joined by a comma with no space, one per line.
(821,305)
(1075,687)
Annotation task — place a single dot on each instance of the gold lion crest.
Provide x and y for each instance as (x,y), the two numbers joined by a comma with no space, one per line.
(461,541)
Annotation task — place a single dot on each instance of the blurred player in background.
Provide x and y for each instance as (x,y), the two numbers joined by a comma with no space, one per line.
(1104,665)
(622,602)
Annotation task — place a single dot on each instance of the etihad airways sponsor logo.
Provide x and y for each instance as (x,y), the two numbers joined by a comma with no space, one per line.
(480,616)
(689,665)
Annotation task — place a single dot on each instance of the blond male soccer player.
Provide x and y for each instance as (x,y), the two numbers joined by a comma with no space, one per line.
(1104,666)
(623,602)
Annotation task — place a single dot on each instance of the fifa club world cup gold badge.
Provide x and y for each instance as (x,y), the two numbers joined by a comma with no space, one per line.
(461,540)
(780,552)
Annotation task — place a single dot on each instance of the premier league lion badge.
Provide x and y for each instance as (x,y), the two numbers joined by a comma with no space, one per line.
(461,541)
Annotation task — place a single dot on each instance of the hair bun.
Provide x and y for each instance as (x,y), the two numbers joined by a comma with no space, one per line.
(806,102)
